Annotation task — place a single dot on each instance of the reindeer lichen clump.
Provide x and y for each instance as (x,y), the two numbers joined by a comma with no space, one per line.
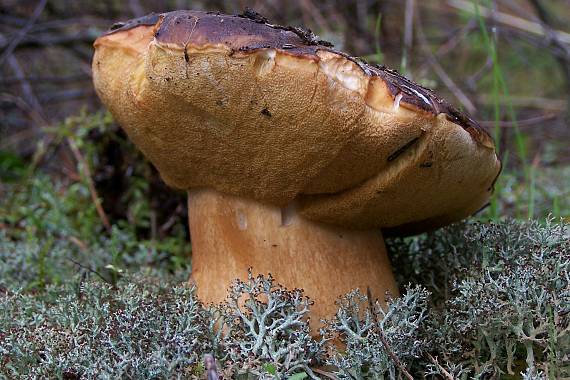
(268,329)
(489,300)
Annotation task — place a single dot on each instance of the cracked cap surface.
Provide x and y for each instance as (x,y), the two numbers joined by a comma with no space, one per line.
(271,113)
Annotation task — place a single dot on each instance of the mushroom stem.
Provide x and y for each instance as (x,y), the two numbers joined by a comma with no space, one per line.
(231,234)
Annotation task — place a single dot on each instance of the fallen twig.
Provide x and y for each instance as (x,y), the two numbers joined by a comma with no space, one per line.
(91,270)
(555,105)
(408,33)
(27,90)
(440,71)
(509,20)
(55,39)
(454,39)
(519,123)
(91,186)
(553,39)
(78,243)
(8,81)
(330,375)
(22,32)
(383,339)
(446,373)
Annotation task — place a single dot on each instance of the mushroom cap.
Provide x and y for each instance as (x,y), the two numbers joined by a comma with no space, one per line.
(272,114)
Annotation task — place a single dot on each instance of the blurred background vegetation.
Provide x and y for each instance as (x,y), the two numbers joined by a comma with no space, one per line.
(506,62)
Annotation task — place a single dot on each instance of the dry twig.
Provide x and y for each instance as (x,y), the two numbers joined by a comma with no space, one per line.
(408,34)
(389,351)
(91,270)
(22,32)
(509,20)
(532,121)
(446,373)
(553,40)
(94,196)
(330,375)
(440,71)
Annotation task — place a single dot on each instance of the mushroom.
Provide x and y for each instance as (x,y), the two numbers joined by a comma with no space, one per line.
(296,157)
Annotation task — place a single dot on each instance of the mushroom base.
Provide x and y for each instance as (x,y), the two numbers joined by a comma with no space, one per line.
(231,234)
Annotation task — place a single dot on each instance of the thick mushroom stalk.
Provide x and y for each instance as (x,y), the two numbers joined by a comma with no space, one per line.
(231,234)
(305,152)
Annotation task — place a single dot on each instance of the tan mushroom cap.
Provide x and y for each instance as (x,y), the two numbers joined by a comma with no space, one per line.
(268,113)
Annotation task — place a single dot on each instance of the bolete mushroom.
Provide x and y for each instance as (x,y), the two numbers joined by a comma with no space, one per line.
(294,155)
